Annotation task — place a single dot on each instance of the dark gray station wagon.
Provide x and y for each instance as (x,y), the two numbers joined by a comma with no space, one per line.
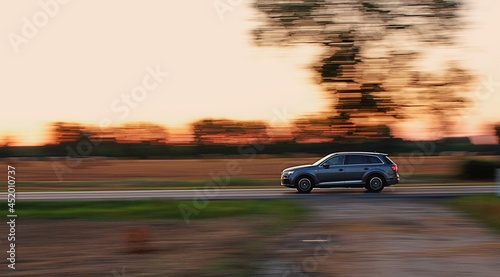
(370,170)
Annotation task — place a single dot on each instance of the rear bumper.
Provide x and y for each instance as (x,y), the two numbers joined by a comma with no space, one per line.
(393,181)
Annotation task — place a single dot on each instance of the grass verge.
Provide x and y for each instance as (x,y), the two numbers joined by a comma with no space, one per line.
(274,217)
(484,208)
(285,210)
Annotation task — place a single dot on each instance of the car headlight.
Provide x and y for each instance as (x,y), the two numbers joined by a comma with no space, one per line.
(287,173)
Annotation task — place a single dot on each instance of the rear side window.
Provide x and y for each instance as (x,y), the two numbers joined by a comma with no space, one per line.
(355,159)
(388,160)
(373,160)
(361,159)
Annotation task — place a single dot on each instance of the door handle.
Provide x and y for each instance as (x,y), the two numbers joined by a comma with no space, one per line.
(341,169)
(366,168)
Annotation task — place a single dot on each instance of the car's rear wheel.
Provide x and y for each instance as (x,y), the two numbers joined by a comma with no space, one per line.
(304,185)
(375,184)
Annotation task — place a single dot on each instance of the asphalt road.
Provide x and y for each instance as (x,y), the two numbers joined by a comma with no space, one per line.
(390,192)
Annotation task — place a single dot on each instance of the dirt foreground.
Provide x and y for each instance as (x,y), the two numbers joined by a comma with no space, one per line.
(380,237)
(342,237)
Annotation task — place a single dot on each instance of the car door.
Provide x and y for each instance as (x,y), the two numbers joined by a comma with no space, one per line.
(331,171)
(355,167)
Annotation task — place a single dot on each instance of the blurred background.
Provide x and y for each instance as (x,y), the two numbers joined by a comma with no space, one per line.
(120,95)
(301,71)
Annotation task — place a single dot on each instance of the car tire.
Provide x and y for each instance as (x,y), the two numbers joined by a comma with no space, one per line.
(375,184)
(304,185)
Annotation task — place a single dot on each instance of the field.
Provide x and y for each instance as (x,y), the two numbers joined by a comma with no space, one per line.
(262,171)
(252,238)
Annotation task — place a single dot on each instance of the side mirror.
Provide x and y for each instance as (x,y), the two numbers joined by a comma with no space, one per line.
(325,165)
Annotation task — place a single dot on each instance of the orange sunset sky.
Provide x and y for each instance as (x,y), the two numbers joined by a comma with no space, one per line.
(87,57)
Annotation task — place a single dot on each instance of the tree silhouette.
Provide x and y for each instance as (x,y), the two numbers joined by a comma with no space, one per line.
(210,131)
(439,96)
(7,141)
(68,132)
(140,132)
(370,51)
(135,132)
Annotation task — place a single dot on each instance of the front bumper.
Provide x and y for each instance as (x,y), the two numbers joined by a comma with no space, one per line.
(286,182)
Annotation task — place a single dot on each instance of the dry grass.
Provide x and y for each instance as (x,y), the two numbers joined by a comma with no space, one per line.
(114,174)
(113,169)
(93,169)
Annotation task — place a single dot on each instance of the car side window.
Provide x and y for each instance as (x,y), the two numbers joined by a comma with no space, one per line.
(355,159)
(336,160)
(373,160)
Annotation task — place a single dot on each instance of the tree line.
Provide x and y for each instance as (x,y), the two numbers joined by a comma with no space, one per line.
(218,131)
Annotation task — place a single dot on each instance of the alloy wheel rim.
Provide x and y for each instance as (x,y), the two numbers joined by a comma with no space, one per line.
(376,183)
(304,184)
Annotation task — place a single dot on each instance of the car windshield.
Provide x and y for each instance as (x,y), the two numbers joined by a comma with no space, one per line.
(323,159)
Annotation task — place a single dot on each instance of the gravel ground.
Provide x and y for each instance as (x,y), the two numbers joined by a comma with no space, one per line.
(380,237)
(342,237)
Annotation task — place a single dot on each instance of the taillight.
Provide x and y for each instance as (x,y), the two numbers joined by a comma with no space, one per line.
(394,167)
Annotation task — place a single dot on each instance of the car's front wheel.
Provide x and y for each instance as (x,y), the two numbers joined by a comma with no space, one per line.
(304,185)
(375,184)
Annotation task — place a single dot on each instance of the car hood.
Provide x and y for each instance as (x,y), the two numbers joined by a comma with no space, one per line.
(307,166)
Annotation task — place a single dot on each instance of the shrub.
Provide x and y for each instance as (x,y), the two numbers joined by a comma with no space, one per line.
(479,169)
